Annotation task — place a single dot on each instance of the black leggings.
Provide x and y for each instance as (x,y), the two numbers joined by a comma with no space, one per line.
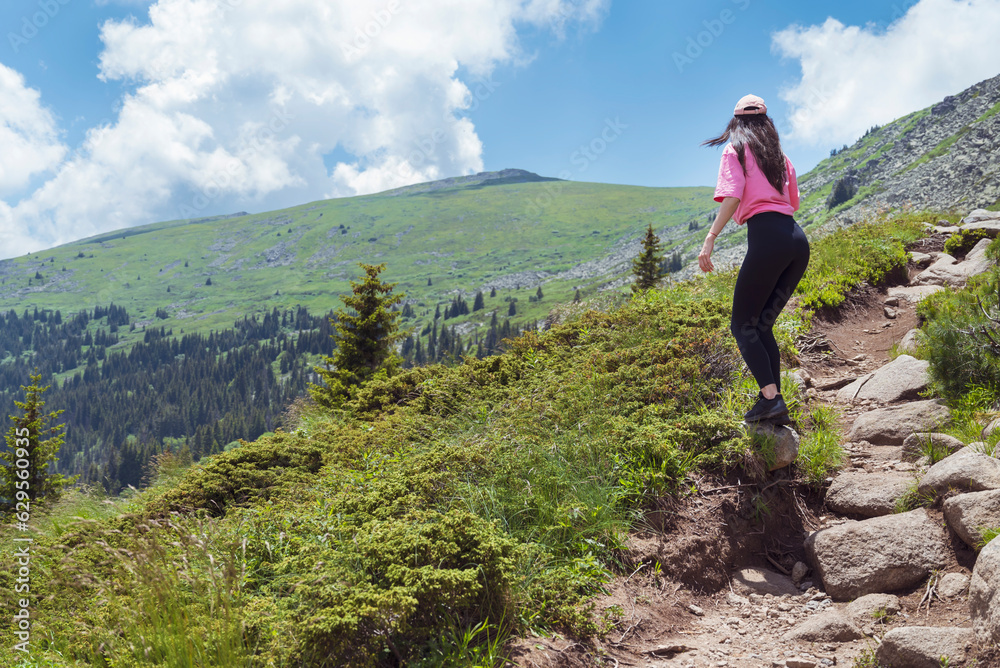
(776,259)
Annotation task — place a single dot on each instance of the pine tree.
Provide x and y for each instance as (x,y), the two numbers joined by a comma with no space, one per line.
(366,338)
(480,303)
(33,444)
(647,267)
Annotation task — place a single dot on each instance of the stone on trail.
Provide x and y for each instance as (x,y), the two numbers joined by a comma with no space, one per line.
(924,647)
(891,426)
(966,470)
(877,555)
(984,594)
(914,444)
(828,626)
(952,585)
(977,215)
(762,581)
(867,494)
(909,342)
(968,514)
(865,609)
(903,378)
(915,293)
(786,442)
(946,270)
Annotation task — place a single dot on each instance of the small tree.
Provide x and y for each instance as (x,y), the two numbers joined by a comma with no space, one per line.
(366,337)
(648,266)
(33,443)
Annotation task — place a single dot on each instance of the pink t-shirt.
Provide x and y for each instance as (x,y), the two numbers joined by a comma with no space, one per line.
(755,193)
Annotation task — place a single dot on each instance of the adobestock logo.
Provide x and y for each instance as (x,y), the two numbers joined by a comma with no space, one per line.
(704,39)
(31,24)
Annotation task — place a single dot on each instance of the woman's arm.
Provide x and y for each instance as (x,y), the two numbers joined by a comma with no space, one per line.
(726,211)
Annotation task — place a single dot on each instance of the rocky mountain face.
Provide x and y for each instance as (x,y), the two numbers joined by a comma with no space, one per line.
(945,157)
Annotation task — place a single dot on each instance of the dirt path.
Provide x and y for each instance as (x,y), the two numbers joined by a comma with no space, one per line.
(697,612)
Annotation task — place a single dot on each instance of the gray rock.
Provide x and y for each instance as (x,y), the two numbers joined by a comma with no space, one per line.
(786,443)
(802,379)
(990,428)
(923,647)
(762,581)
(828,626)
(865,609)
(867,494)
(968,514)
(946,229)
(946,270)
(909,342)
(990,227)
(799,572)
(984,594)
(903,378)
(978,215)
(877,555)
(890,426)
(952,585)
(915,293)
(966,470)
(914,445)
(920,259)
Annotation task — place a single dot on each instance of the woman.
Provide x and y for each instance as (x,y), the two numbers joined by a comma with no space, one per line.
(757,186)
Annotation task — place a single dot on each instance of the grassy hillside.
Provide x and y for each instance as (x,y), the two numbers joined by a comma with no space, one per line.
(437,239)
(445,509)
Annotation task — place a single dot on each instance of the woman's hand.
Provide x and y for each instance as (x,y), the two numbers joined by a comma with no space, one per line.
(705,256)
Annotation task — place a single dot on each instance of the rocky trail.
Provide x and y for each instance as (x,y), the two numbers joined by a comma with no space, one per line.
(776,573)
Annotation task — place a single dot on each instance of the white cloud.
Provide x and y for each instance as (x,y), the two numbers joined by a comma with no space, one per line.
(28,134)
(855,77)
(239,100)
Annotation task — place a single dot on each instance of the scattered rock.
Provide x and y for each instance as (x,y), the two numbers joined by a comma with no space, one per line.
(799,572)
(909,342)
(969,514)
(924,646)
(890,426)
(828,626)
(762,581)
(890,312)
(984,594)
(695,610)
(786,442)
(799,662)
(903,378)
(920,259)
(952,585)
(977,215)
(989,227)
(915,293)
(866,494)
(966,470)
(891,301)
(865,609)
(990,428)
(877,555)
(914,445)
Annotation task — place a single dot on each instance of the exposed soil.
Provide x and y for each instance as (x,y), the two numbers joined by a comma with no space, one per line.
(701,541)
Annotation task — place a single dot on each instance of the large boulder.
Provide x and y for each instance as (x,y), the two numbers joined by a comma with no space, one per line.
(867,494)
(877,555)
(903,378)
(828,626)
(915,445)
(984,594)
(914,293)
(978,215)
(891,426)
(866,609)
(924,647)
(967,470)
(946,270)
(968,514)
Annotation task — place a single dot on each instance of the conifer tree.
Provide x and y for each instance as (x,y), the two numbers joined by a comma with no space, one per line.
(33,444)
(366,336)
(647,267)
(479,304)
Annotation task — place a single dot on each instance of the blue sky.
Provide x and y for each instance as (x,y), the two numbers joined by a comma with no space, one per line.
(120,113)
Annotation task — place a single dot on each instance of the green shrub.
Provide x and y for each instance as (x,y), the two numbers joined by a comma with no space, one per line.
(963,242)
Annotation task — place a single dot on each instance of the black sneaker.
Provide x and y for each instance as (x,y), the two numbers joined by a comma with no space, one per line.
(768,410)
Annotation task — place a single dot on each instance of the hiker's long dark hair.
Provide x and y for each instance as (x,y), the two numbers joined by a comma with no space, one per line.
(758,132)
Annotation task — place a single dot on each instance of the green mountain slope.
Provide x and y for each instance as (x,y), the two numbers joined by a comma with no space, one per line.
(513,231)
